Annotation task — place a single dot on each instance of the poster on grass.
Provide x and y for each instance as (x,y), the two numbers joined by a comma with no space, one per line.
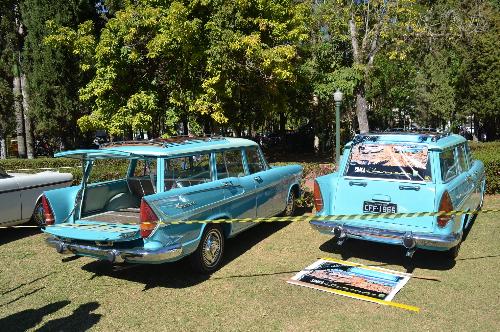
(351,279)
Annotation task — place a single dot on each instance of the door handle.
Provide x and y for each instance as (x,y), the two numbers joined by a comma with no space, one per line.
(227,184)
(416,188)
(357,183)
(258,179)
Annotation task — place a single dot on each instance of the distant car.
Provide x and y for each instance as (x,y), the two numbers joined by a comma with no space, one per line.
(126,219)
(20,194)
(402,172)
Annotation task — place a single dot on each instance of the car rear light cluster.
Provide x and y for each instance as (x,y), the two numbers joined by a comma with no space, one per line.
(148,219)
(445,206)
(48,215)
(318,199)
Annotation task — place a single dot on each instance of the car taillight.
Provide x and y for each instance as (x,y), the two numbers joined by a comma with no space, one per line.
(318,199)
(48,215)
(445,205)
(148,219)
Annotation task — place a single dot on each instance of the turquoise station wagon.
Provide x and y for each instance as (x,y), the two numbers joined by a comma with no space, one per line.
(399,173)
(126,219)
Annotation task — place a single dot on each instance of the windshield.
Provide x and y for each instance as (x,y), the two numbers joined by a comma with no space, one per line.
(3,173)
(389,161)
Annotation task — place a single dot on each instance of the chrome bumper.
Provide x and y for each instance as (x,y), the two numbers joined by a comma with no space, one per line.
(409,240)
(117,255)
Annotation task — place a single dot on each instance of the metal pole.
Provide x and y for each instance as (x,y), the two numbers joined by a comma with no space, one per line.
(337,133)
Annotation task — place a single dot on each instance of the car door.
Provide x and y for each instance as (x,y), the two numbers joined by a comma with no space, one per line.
(239,188)
(10,199)
(266,182)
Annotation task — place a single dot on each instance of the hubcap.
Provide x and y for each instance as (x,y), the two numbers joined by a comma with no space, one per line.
(212,248)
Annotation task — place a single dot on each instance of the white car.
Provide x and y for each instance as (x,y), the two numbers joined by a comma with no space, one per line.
(20,194)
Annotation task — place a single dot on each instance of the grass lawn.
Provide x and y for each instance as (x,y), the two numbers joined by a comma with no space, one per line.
(39,292)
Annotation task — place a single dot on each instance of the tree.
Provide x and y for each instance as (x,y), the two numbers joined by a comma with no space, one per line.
(479,73)
(252,60)
(209,61)
(371,26)
(51,76)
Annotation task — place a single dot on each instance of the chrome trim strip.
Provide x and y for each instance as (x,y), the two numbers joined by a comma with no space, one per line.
(191,214)
(387,236)
(35,186)
(136,255)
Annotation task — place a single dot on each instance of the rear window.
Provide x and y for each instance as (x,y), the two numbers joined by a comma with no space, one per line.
(389,161)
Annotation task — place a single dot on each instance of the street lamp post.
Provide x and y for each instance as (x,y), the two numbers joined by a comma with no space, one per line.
(337,96)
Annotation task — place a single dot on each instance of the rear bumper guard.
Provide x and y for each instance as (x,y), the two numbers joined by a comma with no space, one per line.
(409,240)
(136,255)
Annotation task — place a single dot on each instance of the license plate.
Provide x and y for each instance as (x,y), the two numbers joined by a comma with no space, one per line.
(378,207)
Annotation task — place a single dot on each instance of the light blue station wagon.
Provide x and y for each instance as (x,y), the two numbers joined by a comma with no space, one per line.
(126,219)
(399,173)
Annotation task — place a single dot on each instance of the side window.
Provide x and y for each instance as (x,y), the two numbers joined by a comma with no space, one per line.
(145,168)
(255,163)
(101,170)
(187,171)
(142,181)
(449,165)
(229,164)
(462,158)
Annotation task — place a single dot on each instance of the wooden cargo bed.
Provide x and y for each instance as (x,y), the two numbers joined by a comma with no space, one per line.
(121,216)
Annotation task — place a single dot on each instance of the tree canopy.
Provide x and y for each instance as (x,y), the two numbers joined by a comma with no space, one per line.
(166,67)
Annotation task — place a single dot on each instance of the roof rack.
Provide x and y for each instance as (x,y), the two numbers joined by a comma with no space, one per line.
(134,143)
(424,132)
(181,140)
(166,142)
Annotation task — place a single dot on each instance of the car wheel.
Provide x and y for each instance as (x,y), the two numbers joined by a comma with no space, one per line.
(208,255)
(291,204)
(37,216)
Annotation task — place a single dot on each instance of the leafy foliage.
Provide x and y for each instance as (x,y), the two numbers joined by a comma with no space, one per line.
(252,66)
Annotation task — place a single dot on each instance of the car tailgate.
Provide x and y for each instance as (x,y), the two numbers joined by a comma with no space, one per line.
(95,231)
(353,195)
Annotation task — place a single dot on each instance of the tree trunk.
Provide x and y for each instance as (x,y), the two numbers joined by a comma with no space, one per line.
(27,118)
(185,128)
(475,135)
(3,147)
(282,125)
(21,145)
(361,112)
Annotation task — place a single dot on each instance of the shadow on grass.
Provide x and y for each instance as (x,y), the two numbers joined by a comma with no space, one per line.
(81,319)
(13,234)
(388,255)
(22,296)
(23,320)
(179,274)
(26,283)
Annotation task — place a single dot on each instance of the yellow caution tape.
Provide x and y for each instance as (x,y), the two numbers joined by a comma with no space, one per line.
(358,296)
(338,217)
